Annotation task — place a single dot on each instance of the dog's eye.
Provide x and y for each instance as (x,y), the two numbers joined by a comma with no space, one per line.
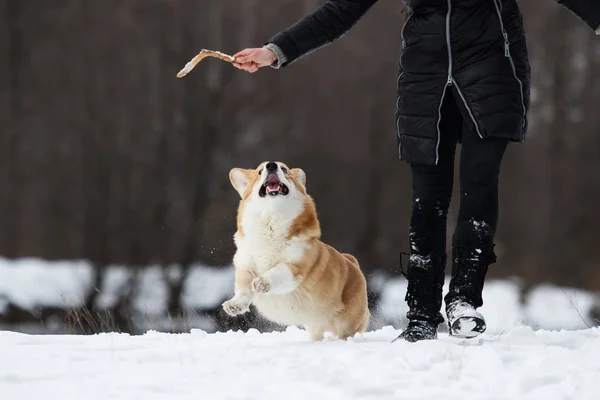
(284,170)
(260,172)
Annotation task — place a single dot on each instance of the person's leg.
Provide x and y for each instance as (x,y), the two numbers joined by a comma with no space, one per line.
(473,239)
(432,191)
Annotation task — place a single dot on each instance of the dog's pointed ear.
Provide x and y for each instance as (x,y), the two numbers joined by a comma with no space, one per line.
(240,179)
(300,175)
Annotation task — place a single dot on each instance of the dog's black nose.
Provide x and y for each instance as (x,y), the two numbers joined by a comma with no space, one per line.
(271,167)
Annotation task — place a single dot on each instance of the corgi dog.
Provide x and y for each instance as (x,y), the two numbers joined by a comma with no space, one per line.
(281,265)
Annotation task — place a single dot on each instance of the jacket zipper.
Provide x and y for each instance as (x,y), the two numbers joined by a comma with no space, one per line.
(408,17)
(452,82)
(449,44)
(448,83)
(510,59)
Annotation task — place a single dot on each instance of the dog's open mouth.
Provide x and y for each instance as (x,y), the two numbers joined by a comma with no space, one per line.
(273,187)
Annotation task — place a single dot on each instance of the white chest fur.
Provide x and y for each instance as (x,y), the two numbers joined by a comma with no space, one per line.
(266,224)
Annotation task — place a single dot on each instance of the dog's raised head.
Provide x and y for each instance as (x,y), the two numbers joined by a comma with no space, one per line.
(275,192)
(270,179)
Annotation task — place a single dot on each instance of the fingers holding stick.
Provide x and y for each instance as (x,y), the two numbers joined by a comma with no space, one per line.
(249,60)
(242,54)
(248,66)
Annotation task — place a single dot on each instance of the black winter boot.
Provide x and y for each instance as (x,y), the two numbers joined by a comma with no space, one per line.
(424,296)
(472,254)
(464,321)
(419,330)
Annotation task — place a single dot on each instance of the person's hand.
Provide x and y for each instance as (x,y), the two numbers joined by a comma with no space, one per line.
(252,59)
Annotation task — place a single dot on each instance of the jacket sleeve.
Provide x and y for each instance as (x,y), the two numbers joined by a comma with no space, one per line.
(324,25)
(587,10)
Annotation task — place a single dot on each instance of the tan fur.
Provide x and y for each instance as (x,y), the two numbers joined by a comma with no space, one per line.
(329,290)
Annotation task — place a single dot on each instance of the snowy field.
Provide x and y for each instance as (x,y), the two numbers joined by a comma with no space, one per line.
(539,345)
(31,283)
(520,364)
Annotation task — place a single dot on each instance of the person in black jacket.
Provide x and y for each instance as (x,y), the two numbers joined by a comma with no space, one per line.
(464,77)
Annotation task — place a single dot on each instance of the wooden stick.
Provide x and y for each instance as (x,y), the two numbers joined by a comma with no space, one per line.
(202,55)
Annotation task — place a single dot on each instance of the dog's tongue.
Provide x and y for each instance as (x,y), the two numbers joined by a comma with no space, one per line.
(272,183)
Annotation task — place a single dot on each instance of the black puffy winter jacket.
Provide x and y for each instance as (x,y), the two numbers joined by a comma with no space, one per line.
(476,48)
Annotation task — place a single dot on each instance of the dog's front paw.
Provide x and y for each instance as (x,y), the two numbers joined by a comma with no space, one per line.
(235,307)
(260,285)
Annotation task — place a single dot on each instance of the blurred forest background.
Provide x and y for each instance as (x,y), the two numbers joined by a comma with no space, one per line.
(106,156)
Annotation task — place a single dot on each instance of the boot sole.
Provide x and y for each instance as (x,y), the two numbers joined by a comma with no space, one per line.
(467,327)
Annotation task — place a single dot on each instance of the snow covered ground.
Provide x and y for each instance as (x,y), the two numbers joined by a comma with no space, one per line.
(31,283)
(519,364)
(539,347)
(546,306)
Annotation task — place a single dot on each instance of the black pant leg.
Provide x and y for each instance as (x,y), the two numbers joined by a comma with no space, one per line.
(473,239)
(432,187)
(432,191)
(479,176)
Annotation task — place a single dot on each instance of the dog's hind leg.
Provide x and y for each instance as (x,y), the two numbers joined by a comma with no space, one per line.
(348,327)
(364,323)
(342,329)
